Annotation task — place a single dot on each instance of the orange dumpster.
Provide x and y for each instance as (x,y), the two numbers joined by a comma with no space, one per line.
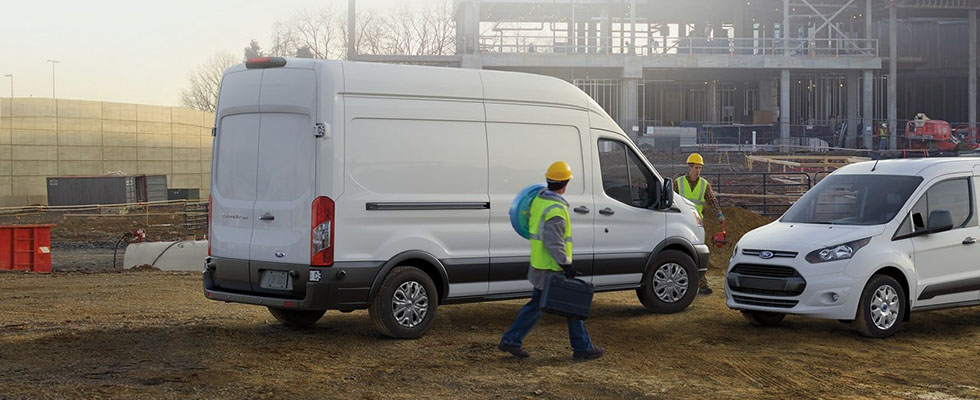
(25,248)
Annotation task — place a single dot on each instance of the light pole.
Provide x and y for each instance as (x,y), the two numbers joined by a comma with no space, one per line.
(53,62)
(11,76)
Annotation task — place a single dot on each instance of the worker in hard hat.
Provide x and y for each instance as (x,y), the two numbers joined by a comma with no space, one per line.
(697,189)
(551,253)
(883,136)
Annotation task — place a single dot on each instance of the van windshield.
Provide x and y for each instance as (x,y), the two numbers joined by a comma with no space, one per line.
(853,200)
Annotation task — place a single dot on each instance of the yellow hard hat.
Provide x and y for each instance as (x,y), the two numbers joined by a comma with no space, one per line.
(559,171)
(695,159)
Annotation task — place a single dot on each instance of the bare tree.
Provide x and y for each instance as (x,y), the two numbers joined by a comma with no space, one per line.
(415,27)
(421,27)
(203,82)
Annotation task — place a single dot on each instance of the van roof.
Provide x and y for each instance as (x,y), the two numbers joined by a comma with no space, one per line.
(443,82)
(915,167)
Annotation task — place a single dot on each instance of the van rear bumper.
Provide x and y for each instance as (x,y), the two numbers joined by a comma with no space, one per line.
(342,287)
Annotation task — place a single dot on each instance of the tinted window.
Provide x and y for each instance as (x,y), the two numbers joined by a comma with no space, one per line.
(952,195)
(853,200)
(624,177)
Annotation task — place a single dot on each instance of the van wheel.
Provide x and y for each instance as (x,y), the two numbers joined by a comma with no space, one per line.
(882,307)
(405,305)
(762,318)
(669,283)
(297,318)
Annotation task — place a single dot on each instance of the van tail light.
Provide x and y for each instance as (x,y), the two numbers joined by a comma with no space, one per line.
(210,236)
(321,234)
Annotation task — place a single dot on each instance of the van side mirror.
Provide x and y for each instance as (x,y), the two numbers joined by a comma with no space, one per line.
(940,221)
(667,195)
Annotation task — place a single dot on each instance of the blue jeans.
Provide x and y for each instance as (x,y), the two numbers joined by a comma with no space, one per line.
(531,313)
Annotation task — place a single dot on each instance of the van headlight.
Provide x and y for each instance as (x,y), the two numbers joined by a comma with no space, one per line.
(734,251)
(697,217)
(841,251)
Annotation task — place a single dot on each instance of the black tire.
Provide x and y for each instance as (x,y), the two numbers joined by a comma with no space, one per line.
(297,318)
(867,307)
(763,318)
(383,312)
(648,293)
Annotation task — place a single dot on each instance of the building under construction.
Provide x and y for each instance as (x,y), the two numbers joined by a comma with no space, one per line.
(791,71)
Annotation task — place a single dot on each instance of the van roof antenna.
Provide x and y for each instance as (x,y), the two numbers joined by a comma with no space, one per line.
(876,163)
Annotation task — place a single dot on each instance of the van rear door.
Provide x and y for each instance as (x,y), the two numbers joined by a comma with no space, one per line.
(284,180)
(233,177)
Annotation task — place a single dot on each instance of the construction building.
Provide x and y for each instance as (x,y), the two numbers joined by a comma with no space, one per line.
(793,71)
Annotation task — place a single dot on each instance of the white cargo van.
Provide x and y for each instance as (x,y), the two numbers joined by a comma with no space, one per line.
(344,186)
(869,243)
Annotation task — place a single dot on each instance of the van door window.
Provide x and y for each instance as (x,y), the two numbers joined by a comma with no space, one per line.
(624,177)
(952,195)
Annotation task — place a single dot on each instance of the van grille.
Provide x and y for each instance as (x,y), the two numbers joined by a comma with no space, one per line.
(755,301)
(775,253)
(768,271)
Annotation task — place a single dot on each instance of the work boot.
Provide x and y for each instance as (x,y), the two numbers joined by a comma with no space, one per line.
(591,354)
(705,290)
(515,351)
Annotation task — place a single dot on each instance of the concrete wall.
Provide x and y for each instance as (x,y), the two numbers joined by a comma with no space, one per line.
(47,137)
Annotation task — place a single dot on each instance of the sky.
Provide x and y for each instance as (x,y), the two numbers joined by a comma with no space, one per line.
(134,51)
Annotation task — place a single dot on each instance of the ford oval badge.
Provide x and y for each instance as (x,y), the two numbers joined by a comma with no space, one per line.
(765,255)
(280,254)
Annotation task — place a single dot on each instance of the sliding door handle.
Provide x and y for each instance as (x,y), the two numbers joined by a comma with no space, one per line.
(606,211)
(582,210)
(969,240)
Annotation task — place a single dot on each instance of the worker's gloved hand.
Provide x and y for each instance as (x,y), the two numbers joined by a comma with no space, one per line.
(721,217)
(569,272)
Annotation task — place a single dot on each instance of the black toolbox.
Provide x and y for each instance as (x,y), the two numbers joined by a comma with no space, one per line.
(570,298)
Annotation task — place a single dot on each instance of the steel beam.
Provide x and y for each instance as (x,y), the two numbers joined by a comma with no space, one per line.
(784,104)
(867,113)
(972,77)
(892,77)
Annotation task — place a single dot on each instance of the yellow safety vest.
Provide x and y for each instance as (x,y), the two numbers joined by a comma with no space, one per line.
(695,195)
(541,211)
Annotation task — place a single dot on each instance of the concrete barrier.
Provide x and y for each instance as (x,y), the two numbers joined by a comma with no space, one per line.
(187,255)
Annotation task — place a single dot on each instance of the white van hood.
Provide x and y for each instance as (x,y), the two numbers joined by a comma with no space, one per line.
(804,238)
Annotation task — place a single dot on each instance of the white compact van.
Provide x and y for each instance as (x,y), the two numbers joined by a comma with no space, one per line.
(869,243)
(345,186)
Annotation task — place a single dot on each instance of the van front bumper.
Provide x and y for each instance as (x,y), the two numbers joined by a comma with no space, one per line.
(704,254)
(341,287)
(831,296)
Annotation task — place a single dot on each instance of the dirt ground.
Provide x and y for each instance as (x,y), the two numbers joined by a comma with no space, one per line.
(152,334)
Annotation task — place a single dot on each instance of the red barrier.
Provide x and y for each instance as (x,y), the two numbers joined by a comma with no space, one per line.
(25,248)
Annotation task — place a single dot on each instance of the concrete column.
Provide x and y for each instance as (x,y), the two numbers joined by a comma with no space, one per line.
(892,77)
(785,27)
(572,29)
(629,105)
(605,36)
(632,27)
(351,31)
(476,26)
(713,102)
(592,28)
(867,112)
(972,77)
(852,110)
(784,104)
(868,28)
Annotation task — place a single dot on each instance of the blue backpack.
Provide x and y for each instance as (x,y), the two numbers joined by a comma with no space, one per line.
(520,209)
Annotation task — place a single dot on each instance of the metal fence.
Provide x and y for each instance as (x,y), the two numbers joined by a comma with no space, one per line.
(659,46)
(768,194)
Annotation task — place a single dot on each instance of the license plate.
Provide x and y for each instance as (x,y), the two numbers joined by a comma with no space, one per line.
(275,280)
